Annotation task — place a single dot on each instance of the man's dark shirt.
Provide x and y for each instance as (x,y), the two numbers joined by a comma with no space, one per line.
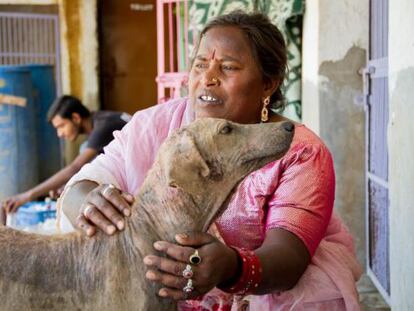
(104,123)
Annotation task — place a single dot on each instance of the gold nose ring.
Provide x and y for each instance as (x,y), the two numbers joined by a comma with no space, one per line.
(214,80)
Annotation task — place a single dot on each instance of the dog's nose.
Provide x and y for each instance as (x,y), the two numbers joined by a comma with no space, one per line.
(288,126)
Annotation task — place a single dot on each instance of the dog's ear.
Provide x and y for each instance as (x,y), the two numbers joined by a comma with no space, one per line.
(185,167)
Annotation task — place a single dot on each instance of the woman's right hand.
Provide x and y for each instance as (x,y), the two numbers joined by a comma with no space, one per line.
(104,208)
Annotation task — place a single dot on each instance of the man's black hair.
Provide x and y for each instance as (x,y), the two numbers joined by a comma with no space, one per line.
(65,105)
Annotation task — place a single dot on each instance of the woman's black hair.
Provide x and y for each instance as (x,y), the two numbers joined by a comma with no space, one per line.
(65,105)
(268,45)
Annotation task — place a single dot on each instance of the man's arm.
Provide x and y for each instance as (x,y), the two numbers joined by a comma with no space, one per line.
(57,180)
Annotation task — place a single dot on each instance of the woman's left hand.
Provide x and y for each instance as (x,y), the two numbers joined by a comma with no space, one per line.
(218,264)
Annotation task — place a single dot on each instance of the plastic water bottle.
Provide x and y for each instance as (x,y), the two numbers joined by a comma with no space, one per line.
(11,220)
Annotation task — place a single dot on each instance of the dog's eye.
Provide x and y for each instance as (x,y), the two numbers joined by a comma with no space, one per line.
(226,129)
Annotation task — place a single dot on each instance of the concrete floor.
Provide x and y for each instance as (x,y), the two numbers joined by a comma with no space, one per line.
(370,298)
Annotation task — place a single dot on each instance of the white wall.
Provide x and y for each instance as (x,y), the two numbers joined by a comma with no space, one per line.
(310,65)
(401,153)
(334,49)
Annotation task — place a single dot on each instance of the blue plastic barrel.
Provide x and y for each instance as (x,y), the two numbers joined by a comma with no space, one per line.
(18,142)
(44,85)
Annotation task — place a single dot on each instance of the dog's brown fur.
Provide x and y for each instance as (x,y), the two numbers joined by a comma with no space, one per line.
(195,171)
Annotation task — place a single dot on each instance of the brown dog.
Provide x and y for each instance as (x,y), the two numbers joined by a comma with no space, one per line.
(192,178)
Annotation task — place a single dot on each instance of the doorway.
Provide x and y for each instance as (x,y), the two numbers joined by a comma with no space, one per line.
(128,54)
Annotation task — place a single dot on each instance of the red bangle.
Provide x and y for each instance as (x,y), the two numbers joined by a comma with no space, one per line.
(250,274)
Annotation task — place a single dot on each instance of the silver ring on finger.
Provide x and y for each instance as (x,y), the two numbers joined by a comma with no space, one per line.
(188,288)
(108,188)
(195,258)
(188,272)
(88,209)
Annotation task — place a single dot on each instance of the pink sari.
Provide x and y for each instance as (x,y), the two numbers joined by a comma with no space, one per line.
(295,193)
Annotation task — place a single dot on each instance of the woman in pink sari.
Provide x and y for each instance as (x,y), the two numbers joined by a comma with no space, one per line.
(277,246)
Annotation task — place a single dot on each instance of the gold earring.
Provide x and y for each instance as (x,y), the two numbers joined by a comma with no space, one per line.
(265,111)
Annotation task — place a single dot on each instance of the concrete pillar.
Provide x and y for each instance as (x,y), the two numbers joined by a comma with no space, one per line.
(79,50)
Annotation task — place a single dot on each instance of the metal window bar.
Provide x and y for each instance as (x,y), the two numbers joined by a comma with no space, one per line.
(376,185)
(30,39)
(172,48)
